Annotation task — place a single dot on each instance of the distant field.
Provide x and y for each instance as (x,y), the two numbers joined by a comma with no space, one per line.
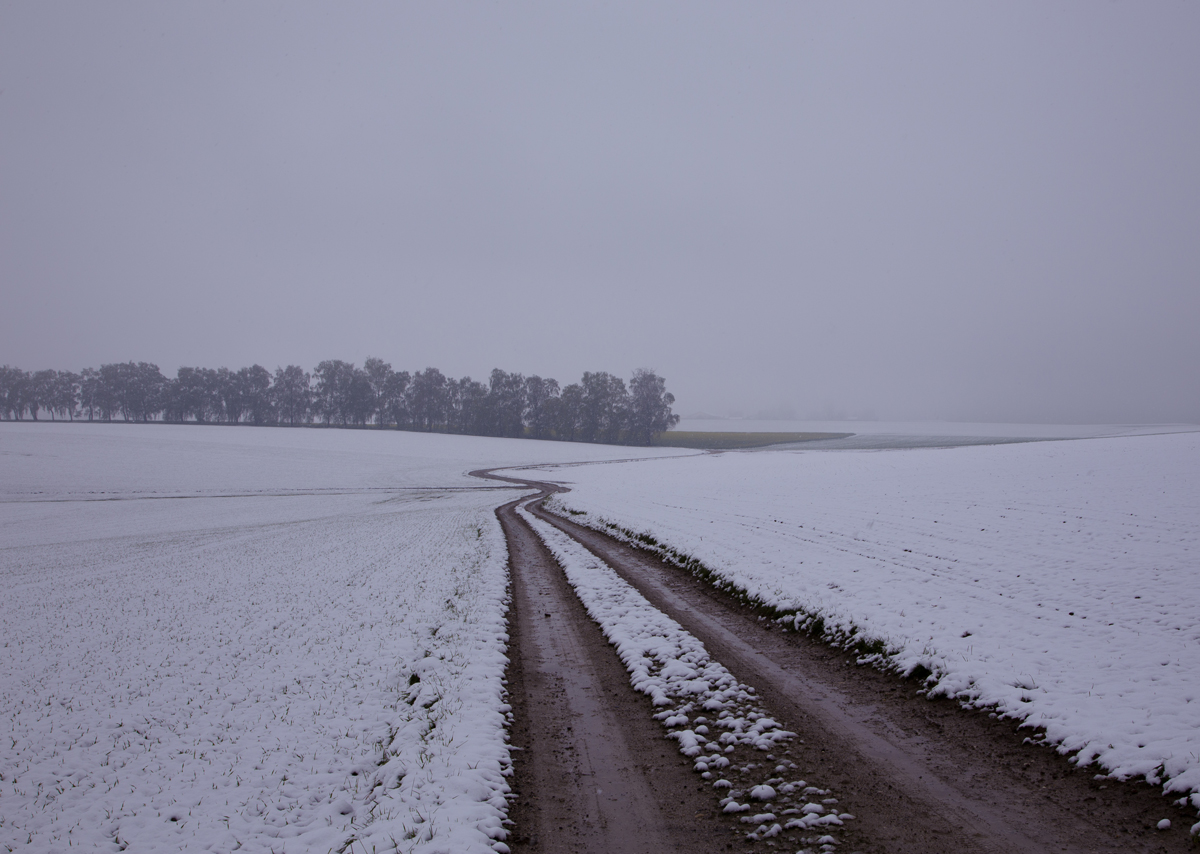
(729,441)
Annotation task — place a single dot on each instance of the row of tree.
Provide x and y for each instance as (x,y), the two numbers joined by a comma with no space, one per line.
(599,408)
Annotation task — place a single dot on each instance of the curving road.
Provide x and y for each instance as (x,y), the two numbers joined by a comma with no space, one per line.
(594,772)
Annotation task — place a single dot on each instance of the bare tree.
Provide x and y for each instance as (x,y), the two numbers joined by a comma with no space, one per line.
(39,392)
(65,399)
(360,401)
(13,392)
(466,406)
(568,416)
(427,399)
(506,404)
(91,392)
(540,398)
(333,379)
(195,393)
(292,394)
(603,408)
(395,406)
(255,385)
(649,407)
(379,376)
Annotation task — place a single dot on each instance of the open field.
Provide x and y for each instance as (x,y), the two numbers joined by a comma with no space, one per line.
(732,434)
(960,429)
(1052,582)
(714,441)
(297,640)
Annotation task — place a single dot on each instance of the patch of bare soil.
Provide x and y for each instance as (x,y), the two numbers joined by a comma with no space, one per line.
(919,775)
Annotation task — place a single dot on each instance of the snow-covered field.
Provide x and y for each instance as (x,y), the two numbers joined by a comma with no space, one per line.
(959,429)
(293,640)
(1055,582)
(253,639)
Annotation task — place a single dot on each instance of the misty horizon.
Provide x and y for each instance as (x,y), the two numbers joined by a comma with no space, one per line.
(924,213)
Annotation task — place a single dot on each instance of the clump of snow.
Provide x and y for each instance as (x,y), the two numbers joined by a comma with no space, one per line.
(1053,583)
(673,668)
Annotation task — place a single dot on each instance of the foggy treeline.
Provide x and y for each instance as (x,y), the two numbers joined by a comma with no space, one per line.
(599,408)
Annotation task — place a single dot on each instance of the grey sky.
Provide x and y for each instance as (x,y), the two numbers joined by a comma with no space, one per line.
(955,210)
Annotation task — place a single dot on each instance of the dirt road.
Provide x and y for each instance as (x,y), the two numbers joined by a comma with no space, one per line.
(919,775)
(593,771)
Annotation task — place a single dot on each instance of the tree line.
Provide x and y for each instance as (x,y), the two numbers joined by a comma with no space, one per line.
(598,408)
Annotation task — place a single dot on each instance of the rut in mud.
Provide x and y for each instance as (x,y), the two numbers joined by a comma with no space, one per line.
(919,775)
(593,770)
(588,778)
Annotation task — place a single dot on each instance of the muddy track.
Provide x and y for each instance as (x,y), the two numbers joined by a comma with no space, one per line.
(920,775)
(592,769)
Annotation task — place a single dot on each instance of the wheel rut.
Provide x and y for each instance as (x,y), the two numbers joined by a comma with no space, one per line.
(593,772)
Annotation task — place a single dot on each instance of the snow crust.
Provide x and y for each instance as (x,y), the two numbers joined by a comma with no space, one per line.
(1054,583)
(253,639)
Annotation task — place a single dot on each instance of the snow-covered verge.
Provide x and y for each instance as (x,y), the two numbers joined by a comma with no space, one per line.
(1054,583)
(248,686)
(703,707)
(262,640)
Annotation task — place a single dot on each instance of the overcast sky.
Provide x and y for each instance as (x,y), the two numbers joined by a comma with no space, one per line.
(978,211)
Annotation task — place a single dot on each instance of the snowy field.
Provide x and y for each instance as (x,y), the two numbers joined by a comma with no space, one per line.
(894,435)
(958,429)
(253,639)
(1054,582)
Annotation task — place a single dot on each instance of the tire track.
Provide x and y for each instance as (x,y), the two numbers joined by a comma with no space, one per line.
(592,770)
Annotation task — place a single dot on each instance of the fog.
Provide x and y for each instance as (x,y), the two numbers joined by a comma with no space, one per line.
(936,211)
